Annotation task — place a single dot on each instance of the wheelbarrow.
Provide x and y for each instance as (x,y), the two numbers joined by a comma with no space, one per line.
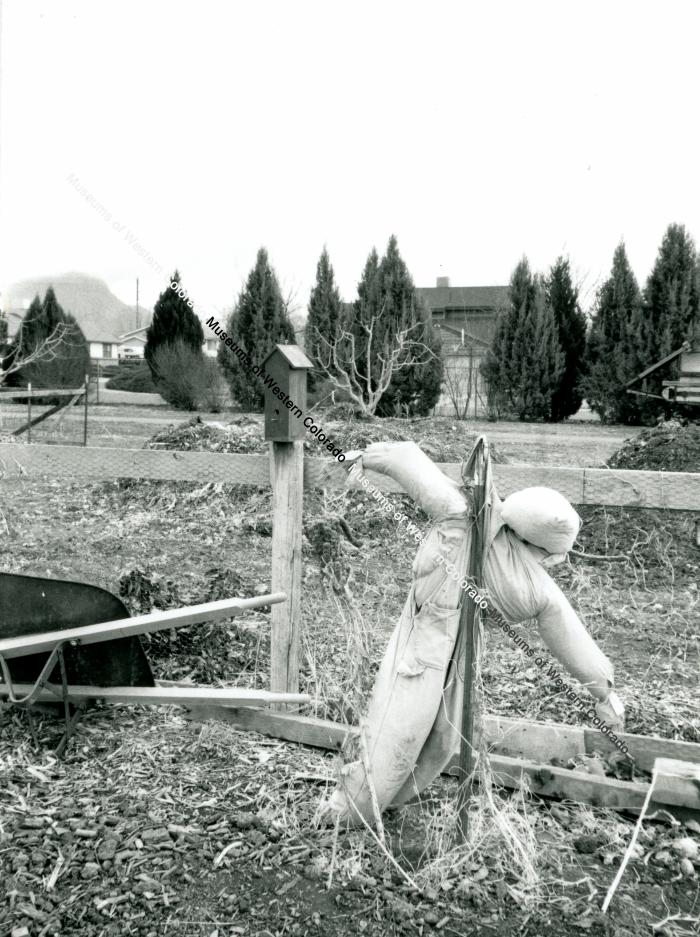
(70,643)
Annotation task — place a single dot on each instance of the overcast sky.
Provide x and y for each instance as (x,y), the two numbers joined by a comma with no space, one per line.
(475,132)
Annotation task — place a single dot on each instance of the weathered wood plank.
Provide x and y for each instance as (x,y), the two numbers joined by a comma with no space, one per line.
(307,730)
(542,741)
(159,695)
(155,464)
(678,783)
(139,624)
(672,490)
(24,394)
(287,471)
(536,741)
(525,742)
(643,748)
(562,782)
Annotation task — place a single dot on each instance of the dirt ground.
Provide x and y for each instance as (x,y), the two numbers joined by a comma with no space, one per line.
(155,824)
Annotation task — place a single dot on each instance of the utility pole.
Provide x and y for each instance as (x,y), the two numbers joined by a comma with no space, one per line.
(138,316)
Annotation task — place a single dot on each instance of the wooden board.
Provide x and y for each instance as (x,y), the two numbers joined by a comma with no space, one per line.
(318,733)
(530,746)
(542,741)
(157,464)
(672,490)
(139,624)
(160,695)
(677,782)
(24,394)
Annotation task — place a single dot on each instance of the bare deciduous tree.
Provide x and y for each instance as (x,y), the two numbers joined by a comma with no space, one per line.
(46,350)
(382,358)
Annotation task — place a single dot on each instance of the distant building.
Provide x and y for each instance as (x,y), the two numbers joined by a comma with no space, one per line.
(113,329)
(102,317)
(465,318)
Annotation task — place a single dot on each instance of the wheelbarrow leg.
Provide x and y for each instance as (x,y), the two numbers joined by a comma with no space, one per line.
(25,702)
(70,720)
(71,723)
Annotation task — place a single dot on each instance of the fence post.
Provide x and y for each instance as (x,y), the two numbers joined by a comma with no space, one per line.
(287,477)
(85,419)
(29,412)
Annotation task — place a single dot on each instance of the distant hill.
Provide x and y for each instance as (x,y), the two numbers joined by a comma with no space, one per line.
(100,314)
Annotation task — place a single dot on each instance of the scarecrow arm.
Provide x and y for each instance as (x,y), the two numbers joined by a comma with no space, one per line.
(418,475)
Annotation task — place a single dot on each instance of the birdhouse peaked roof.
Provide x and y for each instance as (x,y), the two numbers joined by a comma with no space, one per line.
(292,354)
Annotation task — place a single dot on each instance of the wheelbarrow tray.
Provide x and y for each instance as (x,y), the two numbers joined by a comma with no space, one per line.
(31,605)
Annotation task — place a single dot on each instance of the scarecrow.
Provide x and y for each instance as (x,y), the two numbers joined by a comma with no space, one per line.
(413,719)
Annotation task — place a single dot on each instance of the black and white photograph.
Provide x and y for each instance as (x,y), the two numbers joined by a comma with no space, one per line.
(349,468)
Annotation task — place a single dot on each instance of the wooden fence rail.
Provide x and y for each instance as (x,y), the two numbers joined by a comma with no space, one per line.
(671,490)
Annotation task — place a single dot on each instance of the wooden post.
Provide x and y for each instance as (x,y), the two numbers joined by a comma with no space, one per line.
(29,412)
(85,419)
(97,384)
(287,478)
(469,629)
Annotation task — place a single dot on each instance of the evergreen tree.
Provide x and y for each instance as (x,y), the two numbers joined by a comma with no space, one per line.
(173,320)
(3,328)
(542,360)
(524,366)
(501,368)
(258,322)
(611,353)
(387,295)
(669,312)
(325,308)
(562,298)
(69,360)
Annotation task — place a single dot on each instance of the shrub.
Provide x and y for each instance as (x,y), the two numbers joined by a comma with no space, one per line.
(173,320)
(136,379)
(187,379)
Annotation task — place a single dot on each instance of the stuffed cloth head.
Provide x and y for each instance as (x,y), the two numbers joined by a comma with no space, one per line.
(543,517)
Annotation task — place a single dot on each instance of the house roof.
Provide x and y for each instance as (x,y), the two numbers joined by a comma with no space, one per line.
(134,333)
(464,297)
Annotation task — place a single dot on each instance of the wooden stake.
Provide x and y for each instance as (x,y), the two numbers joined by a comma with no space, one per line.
(287,477)
(29,412)
(469,629)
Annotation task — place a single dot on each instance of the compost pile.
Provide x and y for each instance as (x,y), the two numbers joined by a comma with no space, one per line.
(442,440)
(240,435)
(204,652)
(672,446)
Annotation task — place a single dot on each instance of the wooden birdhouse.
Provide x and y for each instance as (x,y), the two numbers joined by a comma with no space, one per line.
(284,376)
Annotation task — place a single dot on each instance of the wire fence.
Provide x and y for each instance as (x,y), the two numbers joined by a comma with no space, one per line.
(53,417)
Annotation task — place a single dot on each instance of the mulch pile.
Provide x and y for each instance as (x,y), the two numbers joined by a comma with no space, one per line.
(442,440)
(240,435)
(672,446)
